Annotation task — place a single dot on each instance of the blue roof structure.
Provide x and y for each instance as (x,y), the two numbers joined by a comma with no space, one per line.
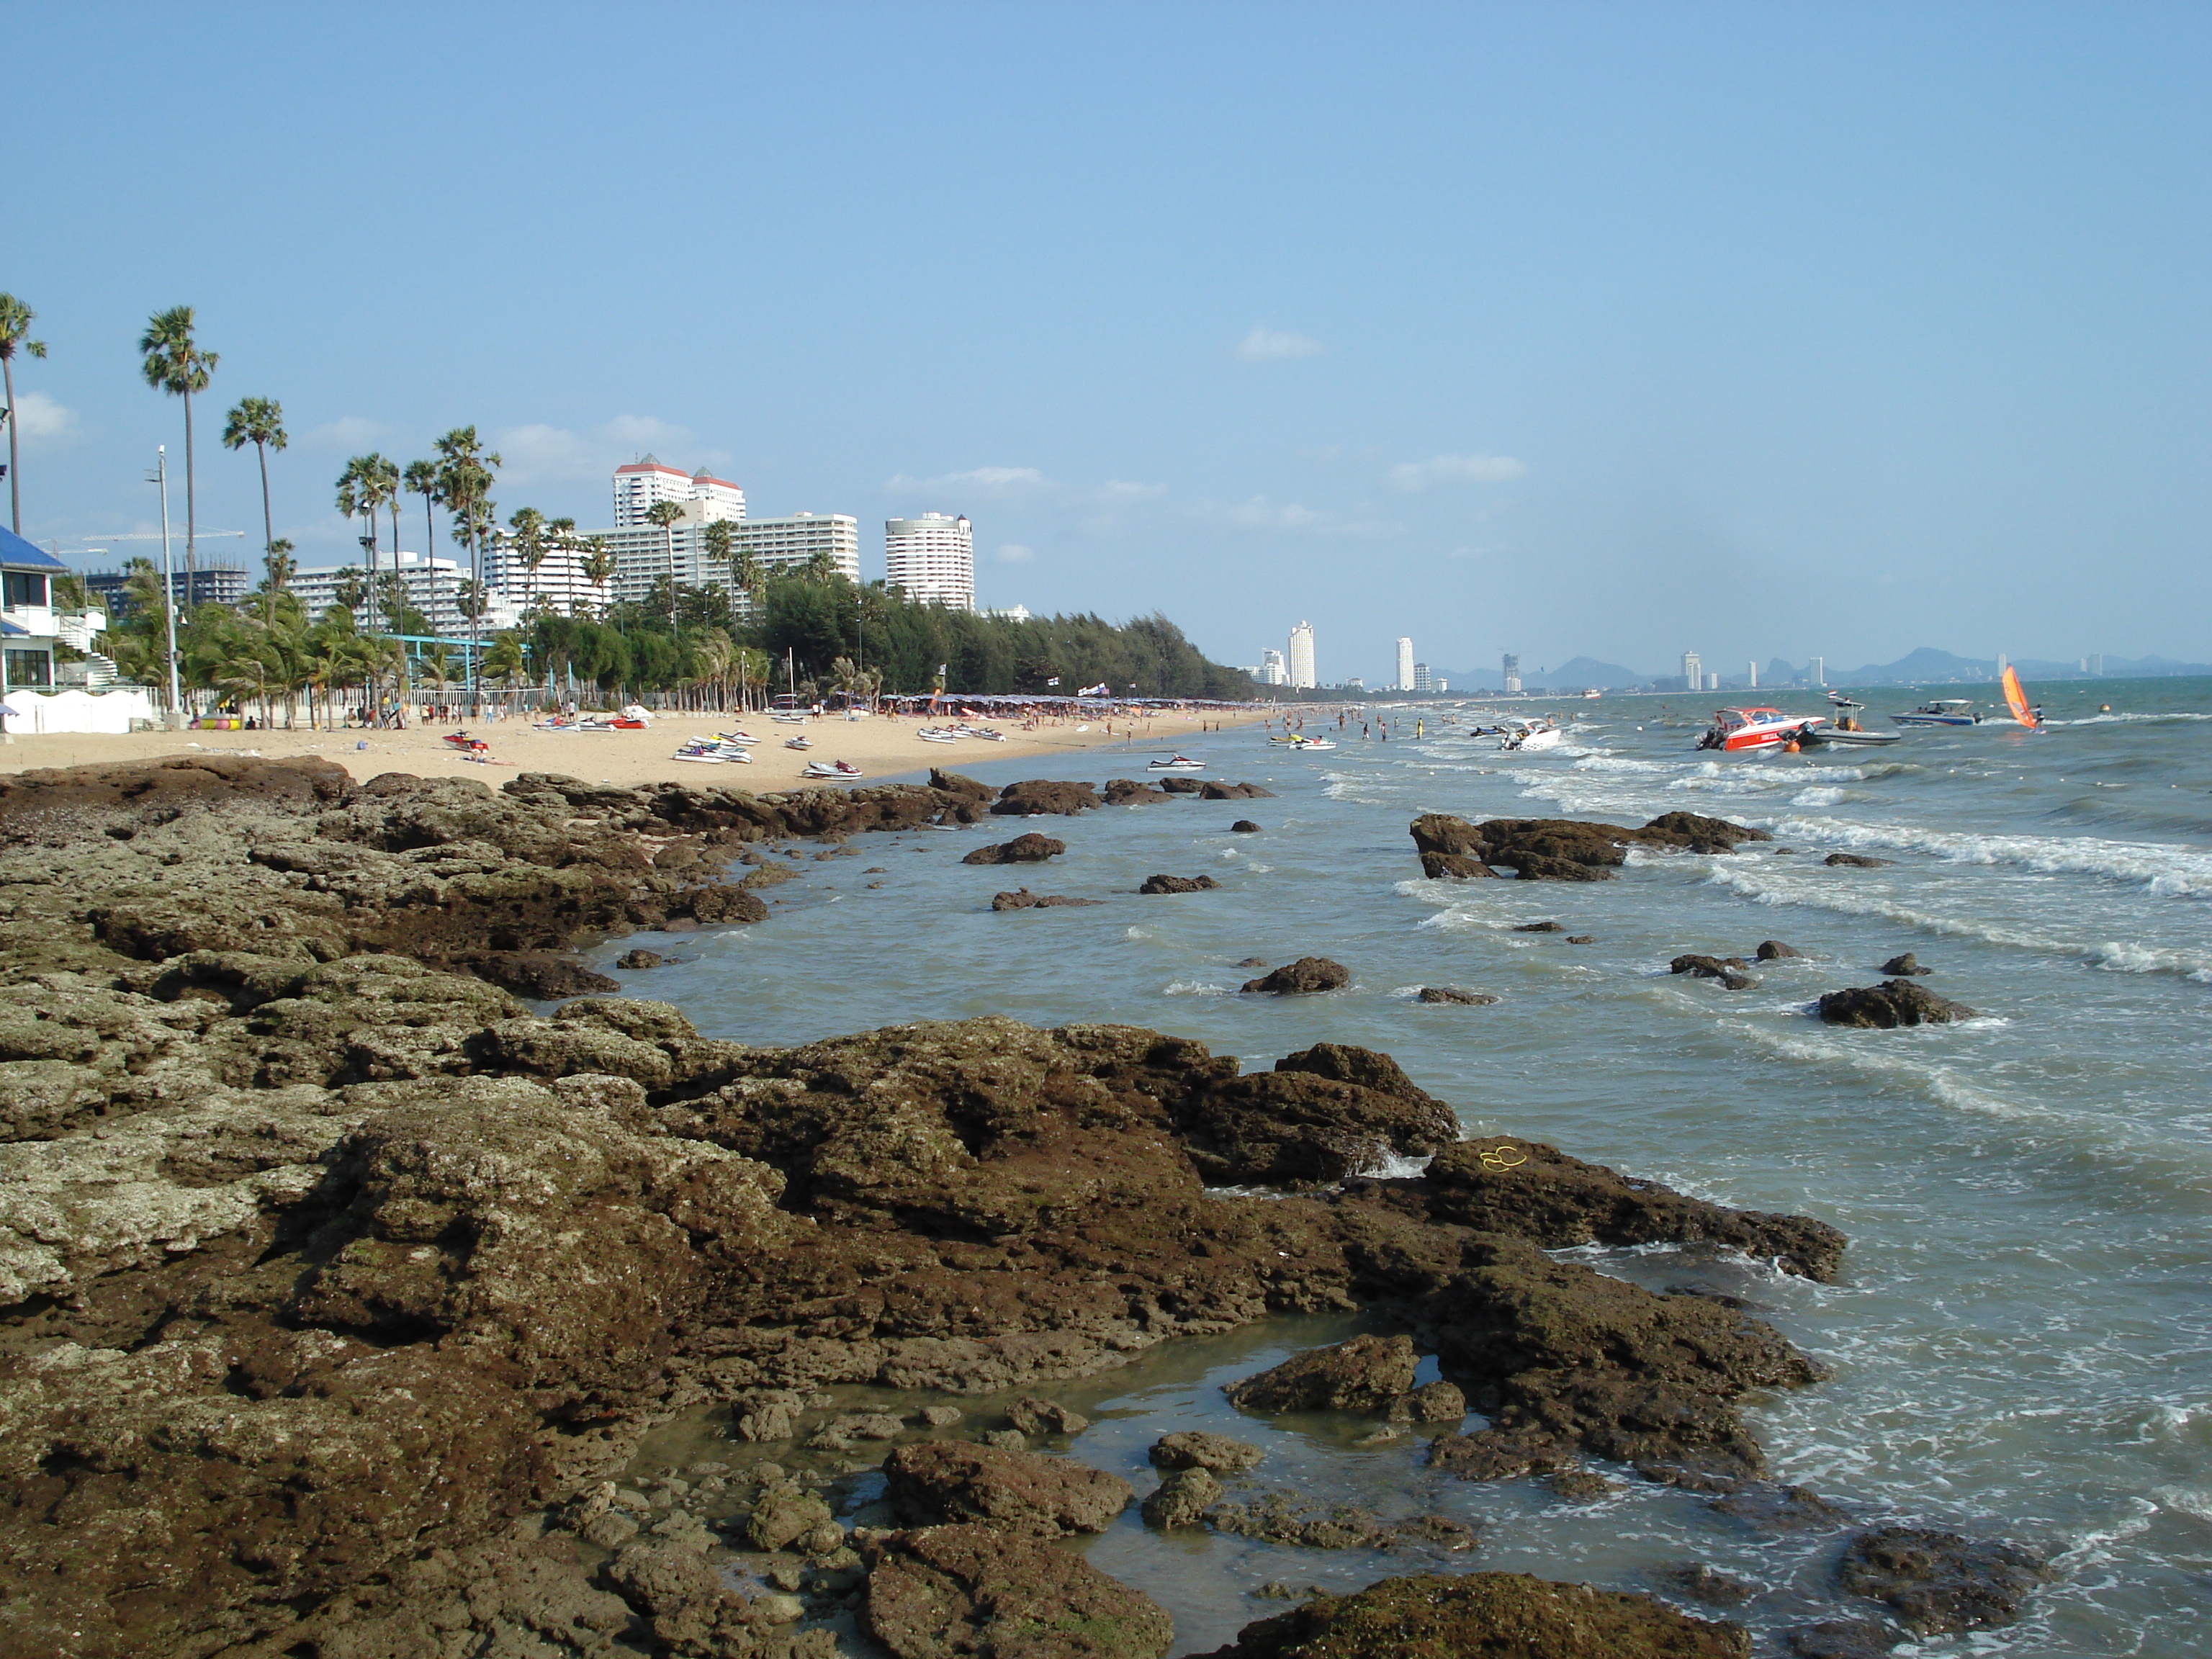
(13,630)
(16,554)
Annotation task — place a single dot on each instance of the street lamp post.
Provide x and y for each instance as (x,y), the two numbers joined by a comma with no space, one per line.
(169,586)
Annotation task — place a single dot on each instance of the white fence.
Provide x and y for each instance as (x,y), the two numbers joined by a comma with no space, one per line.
(28,713)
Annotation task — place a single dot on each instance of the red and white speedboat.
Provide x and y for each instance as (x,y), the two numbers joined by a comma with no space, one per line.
(1736,729)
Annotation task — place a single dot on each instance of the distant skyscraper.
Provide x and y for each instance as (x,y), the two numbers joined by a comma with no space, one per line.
(1694,671)
(931,557)
(2097,662)
(1816,673)
(2002,662)
(1271,671)
(1754,681)
(1422,680)
(1302,658)
(646,480)
(1512,671)
(1404,680)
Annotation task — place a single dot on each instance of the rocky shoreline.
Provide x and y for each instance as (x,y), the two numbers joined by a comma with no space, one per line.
(338,1283)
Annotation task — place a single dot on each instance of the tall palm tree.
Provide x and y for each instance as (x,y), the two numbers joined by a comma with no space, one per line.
(598,563)
(16,321)
(280,567)
(527,533)
(258,421)
(466,471)
(665,514)
(421,478)
(176,364)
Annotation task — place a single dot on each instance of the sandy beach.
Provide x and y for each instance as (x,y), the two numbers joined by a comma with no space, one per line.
(883,746)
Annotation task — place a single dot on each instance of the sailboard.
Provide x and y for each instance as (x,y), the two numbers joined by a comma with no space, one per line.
(2016,699)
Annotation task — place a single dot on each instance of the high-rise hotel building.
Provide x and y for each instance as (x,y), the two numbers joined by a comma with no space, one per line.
(932,558)
(1302,658)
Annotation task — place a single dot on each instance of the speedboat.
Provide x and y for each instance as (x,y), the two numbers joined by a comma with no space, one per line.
(1942,711)
(1179,763)
(1304,744)
(1734,730)
(840,769)
(1852,733)
(1845,700)
(1528,737)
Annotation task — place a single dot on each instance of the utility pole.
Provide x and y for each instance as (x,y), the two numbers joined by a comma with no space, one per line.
(169,586)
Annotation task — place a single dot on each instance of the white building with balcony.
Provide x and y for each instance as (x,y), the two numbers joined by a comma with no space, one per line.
(1300,664)
(432,586)
(648,480)
(931,558)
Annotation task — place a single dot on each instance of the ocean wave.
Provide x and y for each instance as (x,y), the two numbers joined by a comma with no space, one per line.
(1820,798)
(2167,871)
(1193,988)
(1602,761)
(2130,717)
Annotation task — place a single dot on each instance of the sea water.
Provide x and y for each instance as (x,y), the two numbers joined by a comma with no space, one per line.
(2020,1336)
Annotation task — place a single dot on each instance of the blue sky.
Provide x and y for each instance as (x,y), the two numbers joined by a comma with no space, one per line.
(1766,329)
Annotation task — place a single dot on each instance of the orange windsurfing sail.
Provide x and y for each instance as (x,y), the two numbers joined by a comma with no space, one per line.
(2016,699)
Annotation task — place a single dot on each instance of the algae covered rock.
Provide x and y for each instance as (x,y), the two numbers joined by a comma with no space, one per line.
(1889,1005)
(1195,1449)
(1937,1582)
(951,1590)
(1485,1615)
(1015,1490)
(1365,1374)
(1301,978)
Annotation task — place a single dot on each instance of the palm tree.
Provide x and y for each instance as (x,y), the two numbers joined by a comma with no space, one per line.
(821,566)
(279,567)
(665,514)
(421,478)
(527,528)
(465,470)
(16,321)
(258,421)
(598,563)
(176,364)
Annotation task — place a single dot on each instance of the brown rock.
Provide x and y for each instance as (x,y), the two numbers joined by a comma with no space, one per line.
(1181,1499)
(1195,1449)
(1892,1003)
(1905,966)
(1774,950)
(1455,994)
(1712,967)
(1301,978)
(1009,1491)
(640,959)
(1022,850)
(1210,790)
(953,783)
(1244,827)
(1177,885)
(1855,861)
(1127,792)
(1022,899)
(977,1590)
(1937,1582)
(542,975)
(1041,795)
(1538,928)
(1365,1374)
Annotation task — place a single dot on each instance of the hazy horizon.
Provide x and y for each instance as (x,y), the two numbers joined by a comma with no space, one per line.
(1601,331)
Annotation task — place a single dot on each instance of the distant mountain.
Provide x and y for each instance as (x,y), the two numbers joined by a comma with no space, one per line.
(1582,671)
(1929,667)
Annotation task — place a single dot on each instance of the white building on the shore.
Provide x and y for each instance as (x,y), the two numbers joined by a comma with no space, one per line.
(793,542)
(1694,671)
(1512,675)
(646,480)
(1300,664)
(432,586)
(1404,680)
(931,558)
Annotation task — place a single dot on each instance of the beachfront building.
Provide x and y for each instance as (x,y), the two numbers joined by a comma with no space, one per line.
(210,584)
(1512,674)
(932,559)
(1422,680)
(1816,673)
(1301,665)
(1271,671)
(1404,680)
(26,609)
(647,480)
(432,586)
(1694,671)
(782,546)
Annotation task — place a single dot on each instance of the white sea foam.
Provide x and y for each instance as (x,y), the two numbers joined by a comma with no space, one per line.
(1818,797)
(1394,1166)
(1193,988)
(2168,871)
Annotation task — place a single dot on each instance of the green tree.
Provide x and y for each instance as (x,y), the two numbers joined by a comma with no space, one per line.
(173,362)
(258,421)
(667,515)
(16,321)
(465,472)
(421,478)
(598,564)
(526,534)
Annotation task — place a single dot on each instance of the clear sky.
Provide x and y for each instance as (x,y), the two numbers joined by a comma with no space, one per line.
(1765,329)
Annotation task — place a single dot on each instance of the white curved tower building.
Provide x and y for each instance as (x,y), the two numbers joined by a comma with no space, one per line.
(1302,658)
(933,558)
(1405,682)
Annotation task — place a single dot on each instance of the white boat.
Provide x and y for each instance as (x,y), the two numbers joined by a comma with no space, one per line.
(704,756)
(789,719)
(937,734)
(841,770)
(1528,737)
(802,741)
(1941,711)
(1845,700)
(1825,732)
(1734,730)
(983,731)
(1304,744)
(1179,763)
(741,739)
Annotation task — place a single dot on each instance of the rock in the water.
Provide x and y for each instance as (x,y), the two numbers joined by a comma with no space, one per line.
(1712,967)
(1485,1615)
(1031,849)
(1301,978)
(680,1599)
(1854,861)
(1181,1499)
(1892,1003)
(1937,1582)
(1538,928)
(1036,1417)
(1773,950)
(1322,1114)
(1580,1486)
(1041,795)
(1244,827)
(1781,1509)
(1458,866)
(953,1590)
(1022,899)
(1365,1374)
(1018,1491)
(640,959)
(782,1518)
(1127,792)
(1195,1449)
(542,976)
(1905,966)
(1562,850)
(1840,1639)
(1437,1402)
(1582,938)
(1704,1584)
(1499,1184)
(953,783)
(1212,791)
(1177,885)
(940,1417)
(1454,994)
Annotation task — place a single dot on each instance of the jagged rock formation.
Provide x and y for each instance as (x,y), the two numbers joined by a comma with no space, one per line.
(1561,849)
